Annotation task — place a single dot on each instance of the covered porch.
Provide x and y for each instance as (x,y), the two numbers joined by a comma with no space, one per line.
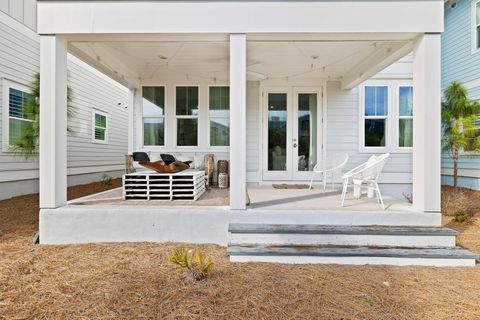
(320,61)
(258,198)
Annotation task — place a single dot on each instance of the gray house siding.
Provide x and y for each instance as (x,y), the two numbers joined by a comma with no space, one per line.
(19,62)
(462,63)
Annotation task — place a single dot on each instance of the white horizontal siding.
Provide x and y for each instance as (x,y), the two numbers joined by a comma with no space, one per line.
(24,11)
(19,61)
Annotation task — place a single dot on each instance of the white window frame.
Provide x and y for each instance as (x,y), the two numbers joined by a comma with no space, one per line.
(392,123)
(163,116)
(101,113)
(403,117)
(217,117)
(177,117)
(475,44)
(6,86)
(362,146)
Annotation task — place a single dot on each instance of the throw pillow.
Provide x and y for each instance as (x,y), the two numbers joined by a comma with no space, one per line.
(167,158)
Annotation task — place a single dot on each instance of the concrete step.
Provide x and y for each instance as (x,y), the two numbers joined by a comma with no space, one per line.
(357,255)
(311,234)
(338,217)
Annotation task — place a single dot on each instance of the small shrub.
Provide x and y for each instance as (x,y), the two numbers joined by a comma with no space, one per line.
(194,261)
(454,203)
(106,180)
(461,217)
(366,299)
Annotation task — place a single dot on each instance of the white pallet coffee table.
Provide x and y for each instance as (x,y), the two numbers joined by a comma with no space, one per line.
(185,185)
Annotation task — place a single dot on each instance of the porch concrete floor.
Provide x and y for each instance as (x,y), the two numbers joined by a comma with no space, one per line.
(211,197)
(267,198)
(261,197)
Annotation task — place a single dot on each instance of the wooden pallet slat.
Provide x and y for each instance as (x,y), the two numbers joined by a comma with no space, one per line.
(186,185)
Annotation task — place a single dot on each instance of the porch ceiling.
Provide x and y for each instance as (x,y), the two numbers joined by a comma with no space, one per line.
(132,62)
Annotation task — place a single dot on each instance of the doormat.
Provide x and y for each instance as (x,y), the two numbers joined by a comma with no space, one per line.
(290,186)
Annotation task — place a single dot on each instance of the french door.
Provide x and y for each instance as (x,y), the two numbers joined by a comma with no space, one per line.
(292,132)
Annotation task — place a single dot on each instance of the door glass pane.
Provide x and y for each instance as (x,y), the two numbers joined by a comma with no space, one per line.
(307,131)
(153,132)
(277,131)
(406,133)
(187,130)
(375,132)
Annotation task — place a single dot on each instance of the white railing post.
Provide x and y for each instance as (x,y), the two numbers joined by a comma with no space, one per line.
(53,121)
(427,124)
(238,121)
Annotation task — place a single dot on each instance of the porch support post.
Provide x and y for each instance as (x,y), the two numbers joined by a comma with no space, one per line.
(53,121)
(131,119)
(426,124)
(238,120)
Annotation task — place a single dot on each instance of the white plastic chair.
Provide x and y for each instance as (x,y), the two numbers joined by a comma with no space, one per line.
(365,174)
(331,168)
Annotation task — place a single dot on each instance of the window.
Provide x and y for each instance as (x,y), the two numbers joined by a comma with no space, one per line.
(473,136)
(18,117)
(375,116)
(100,133)
(405,117)
(186,110)
(219,113)
(476,23)
(153,104)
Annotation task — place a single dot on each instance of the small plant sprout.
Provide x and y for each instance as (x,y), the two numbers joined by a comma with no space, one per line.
(194,261)
(461,217)
(106,180)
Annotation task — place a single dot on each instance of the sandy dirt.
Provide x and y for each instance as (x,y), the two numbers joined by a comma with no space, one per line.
(137,281)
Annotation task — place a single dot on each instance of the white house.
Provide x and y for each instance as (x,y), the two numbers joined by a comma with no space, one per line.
(93,93)
(262,69)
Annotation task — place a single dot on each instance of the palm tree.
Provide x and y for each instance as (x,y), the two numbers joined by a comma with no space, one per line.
(459,115)
(26,145)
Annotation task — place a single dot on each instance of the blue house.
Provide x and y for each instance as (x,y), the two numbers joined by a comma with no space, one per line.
(461,61)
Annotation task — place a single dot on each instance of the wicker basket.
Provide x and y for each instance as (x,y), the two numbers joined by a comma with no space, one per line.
(222,167)
(223,180)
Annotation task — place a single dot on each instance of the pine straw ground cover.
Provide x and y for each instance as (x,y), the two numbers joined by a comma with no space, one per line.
(137,281)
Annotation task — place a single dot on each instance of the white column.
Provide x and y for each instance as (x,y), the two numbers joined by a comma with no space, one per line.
(238,118)
(426,124)
(131,119)
(53,121)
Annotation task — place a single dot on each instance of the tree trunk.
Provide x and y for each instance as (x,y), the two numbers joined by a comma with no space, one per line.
(455,167)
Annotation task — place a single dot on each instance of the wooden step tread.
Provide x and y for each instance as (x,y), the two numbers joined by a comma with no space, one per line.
(341,251)
(260,228)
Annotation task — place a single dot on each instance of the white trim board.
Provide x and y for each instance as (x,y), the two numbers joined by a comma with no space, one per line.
(77,17)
